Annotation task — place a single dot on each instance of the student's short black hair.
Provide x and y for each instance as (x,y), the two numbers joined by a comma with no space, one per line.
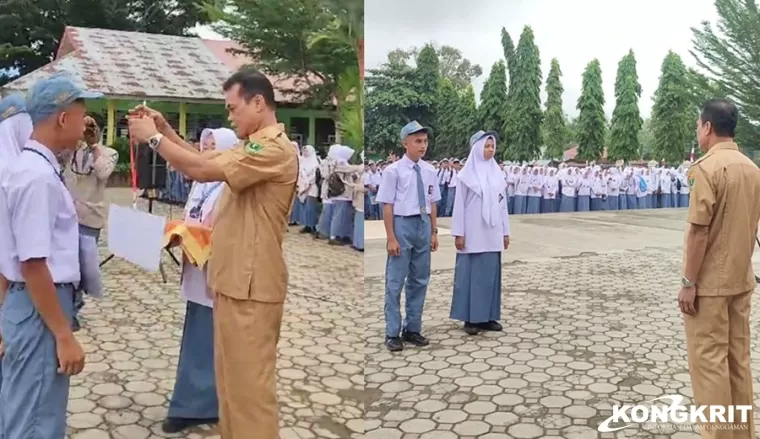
(252,83)
(722,115)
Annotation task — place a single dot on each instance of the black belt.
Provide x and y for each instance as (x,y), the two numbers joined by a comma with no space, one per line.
(57,284)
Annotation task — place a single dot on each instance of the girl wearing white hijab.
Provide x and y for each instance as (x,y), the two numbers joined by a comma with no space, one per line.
(584,191)
(665,182)
(296,211)
(641,190)
(15,127)
(194,400)
(480,226)
(683,193)
(521,191)
(325,217)
(307,189)
(551,186)
(15,130)
(569,190)
(598,190)
(534,192)
(342,220)
(673,188)
(512,177)
(630,194)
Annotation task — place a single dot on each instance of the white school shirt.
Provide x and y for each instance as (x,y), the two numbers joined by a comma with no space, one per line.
(399,187)
(467,221)
(37,217)
(584,187)
(523,184)
(569,185)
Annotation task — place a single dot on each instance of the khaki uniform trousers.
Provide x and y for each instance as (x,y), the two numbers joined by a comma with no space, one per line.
(246,333)
(718,346)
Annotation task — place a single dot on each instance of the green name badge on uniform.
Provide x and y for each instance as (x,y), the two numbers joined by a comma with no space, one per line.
(691,182)
(253,147)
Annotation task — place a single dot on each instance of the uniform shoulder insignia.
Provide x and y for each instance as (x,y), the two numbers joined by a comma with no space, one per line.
(252,147)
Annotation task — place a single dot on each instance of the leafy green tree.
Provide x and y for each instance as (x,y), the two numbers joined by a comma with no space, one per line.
(592,123)
(429,80)
(392,100)
(510,55)
(728,57)
(469,117)
(646,140)
(31,30)
(308,40)
(554,129)
(673,112)
(453,66)
(449,119)
(492,98)
(626,119)
(525,104)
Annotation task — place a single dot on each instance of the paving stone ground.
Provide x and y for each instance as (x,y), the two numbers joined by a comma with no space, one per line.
(132,343)
(581,332)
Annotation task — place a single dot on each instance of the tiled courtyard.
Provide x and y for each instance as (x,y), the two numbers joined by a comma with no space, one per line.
(584,327)
(132,342)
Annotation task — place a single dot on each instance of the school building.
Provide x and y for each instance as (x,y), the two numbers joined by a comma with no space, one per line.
(180,76)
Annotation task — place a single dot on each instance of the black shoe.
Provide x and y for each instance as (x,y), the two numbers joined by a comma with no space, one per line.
(490,326)
(415,338)
(175,425)
(471,328)
(334,242)
(305,230)
(394,344)
(75,325)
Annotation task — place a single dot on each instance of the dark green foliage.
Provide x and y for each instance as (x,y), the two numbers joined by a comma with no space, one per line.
(626,119)
(592,123)
(673,120)
(554,128)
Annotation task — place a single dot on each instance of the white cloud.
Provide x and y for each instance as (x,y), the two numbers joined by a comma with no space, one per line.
(574,32)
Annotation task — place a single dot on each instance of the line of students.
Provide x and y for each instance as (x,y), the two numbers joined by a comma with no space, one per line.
(338,185)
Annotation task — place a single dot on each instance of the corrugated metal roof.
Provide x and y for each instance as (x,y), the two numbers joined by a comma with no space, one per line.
(133,64)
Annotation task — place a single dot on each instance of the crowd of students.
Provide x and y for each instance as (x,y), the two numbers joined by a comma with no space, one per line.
(566,188)
(329,199)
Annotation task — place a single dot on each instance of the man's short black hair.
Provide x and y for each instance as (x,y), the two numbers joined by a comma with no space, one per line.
(252,83)
(722,114)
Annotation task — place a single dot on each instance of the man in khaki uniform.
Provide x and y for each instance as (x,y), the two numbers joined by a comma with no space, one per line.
(247,268)
(718,280)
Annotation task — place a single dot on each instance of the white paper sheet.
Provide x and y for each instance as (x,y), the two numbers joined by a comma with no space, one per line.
(136,236)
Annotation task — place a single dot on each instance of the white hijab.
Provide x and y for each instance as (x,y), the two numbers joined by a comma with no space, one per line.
(204,195)
(309,159)
(484,177)
(14,132)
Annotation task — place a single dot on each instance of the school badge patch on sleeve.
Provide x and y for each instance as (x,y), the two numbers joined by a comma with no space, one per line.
(252,147)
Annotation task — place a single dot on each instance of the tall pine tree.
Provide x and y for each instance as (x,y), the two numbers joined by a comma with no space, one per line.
(525,107)
(592,123)
(492,99)
(508,46)
(672,113)
(626,119)
(555,131)
(469,117)
(429,79)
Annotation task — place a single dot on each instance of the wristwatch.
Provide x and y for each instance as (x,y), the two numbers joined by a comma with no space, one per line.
(686,283)
(154,141)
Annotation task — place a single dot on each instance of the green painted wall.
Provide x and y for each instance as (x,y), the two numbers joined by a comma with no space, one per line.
(284,115)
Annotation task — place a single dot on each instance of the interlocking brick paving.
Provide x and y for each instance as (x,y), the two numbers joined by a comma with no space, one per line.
(132,340)
(581,332)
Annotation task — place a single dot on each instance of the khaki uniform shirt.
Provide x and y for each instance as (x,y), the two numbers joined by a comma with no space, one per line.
(88,186)
(725,197)
(247,261)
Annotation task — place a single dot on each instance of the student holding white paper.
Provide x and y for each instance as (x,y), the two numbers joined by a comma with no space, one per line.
(194,400)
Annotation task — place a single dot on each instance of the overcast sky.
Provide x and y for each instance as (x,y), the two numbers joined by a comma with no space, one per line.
(574,32)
